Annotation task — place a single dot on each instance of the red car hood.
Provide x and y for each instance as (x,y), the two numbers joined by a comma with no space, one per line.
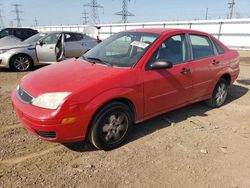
(67,76)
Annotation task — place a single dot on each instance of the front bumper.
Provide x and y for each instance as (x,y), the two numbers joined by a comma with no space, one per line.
(49,129)
(4,60)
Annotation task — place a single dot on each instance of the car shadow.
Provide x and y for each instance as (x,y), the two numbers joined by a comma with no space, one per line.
(244,82)
(163,121)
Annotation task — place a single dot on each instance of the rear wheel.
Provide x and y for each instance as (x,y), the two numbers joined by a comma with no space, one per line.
(219,94)
(111,126)
(21,63)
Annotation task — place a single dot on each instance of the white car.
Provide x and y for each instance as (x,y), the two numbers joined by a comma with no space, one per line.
(45,48)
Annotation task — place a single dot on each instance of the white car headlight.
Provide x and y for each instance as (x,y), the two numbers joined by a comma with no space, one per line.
(3,51)
(50,100)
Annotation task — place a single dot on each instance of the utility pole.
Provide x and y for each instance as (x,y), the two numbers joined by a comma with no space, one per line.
(1,18)
(124,12)
(11,24)
(17,12)
(85,17)
(94,6)
(231,7)
(206,14)
(36,22)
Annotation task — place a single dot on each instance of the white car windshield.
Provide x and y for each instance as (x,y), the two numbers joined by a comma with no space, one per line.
(122,50)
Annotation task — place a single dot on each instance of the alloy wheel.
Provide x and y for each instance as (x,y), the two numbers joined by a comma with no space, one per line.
(114,127)
(21,63)
(221,94)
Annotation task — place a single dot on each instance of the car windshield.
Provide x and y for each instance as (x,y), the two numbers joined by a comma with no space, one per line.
(122,50)
(35,38)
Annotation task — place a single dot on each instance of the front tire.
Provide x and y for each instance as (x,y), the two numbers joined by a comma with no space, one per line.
(219,94)
(21,63)
(111,126)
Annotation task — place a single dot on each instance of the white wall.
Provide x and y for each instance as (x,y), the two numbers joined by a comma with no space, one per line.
(234,33)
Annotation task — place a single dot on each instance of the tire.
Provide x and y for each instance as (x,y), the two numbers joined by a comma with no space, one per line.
(219,94)
(21,63)
(111,126)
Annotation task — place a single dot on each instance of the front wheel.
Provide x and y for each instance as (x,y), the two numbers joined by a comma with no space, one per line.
(21,63)
(111,126)
(219,94)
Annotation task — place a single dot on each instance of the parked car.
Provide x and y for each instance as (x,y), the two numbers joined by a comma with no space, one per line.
(128,78)
(21,33)
(45,48)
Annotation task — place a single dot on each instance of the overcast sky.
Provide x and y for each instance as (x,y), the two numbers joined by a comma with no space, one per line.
(56,12)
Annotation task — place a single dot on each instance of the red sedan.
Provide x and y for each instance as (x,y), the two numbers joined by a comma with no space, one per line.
(128,78)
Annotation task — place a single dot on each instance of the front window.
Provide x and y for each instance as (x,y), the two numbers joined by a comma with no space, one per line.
(173,49)
(51,38)
(35,38)
(122,50)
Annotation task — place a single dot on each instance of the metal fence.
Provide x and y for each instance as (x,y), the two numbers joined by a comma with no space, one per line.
(234,33)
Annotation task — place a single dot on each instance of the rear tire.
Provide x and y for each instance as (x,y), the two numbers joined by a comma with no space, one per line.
(219,94)
(111,126)
(21,63)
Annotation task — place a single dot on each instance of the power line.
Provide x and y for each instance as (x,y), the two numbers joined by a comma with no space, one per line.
(231,7)
(124,12)
(17,12)
(94,6)
(85,17)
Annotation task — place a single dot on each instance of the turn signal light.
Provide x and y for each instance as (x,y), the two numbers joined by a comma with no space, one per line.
(68,120)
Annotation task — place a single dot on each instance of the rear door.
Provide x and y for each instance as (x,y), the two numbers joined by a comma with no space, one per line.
(204,65)
(74,46)
(164,89)
(46,51)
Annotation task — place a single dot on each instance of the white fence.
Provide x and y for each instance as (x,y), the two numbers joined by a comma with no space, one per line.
(234,33)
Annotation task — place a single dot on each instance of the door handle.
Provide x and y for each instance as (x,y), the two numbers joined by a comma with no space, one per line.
(185,70)
(215,62)
(51,48)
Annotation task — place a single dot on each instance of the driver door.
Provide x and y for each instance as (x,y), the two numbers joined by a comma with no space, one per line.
(46,49)
(165,89)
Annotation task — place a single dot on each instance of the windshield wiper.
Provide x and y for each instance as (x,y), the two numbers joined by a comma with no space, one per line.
(94,59)
(84,58)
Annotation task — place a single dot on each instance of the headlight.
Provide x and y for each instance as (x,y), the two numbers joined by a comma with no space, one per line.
(50,100)
(3,51)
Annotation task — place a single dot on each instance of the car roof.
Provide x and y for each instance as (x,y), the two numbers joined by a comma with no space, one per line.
(161,31)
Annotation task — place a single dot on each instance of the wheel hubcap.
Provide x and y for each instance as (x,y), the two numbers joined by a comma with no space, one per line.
(221,94)
(114,128)
(22,63)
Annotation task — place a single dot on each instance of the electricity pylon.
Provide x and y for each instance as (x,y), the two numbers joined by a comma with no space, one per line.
(17,12)
(94,6)
(124,12)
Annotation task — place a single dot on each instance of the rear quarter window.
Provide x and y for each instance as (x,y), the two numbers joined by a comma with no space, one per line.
(218,47)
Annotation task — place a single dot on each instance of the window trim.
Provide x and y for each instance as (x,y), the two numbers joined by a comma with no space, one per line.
(191,48)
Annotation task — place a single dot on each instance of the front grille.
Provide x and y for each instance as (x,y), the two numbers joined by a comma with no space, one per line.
(46,134)
(23,95)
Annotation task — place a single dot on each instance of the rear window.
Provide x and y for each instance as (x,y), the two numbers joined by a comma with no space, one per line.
(201,46)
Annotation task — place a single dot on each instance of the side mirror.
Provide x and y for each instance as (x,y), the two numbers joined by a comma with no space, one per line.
(39,43)
(161,64)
